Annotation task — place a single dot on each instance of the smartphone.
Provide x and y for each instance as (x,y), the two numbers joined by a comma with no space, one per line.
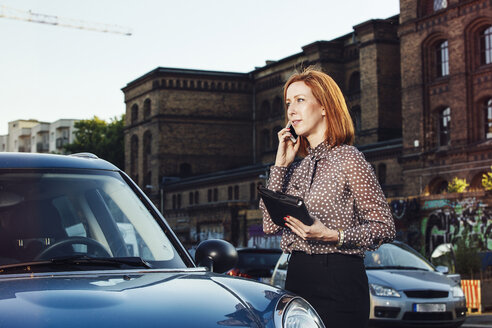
(293,133)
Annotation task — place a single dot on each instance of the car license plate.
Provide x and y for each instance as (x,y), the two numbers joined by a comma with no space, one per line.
(429,307)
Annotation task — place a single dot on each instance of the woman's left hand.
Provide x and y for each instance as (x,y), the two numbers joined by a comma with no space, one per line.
(316,231)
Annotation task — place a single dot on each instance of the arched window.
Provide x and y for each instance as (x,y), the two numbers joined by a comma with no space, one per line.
(134,113)
(382,173)
(146,108)
(147,152)
(134,158)
(275,131)
(486,46)
(354,83)
(184,170)
(265,109)
(442,59)
(265,140)
(437,186)
(488,118)
(444,126)
(356,118)
(278,108)
(236,192)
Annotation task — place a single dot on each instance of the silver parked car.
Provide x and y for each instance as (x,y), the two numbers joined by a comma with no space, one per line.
(405,289)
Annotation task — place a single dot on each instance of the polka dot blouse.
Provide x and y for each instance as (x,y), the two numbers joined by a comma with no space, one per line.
(340,189)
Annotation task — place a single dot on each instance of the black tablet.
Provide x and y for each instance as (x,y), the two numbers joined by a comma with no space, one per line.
(279,205)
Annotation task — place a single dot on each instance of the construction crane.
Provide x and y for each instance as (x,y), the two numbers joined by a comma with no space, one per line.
(29,16)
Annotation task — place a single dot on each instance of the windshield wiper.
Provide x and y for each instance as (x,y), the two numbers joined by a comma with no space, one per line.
(77,260)
(394,267)
(118,261)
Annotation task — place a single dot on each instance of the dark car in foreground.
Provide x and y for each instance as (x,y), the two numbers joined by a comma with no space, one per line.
(405,289)
(256,263)
(82,246)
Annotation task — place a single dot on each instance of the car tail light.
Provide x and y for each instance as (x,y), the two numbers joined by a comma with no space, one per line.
(237,273)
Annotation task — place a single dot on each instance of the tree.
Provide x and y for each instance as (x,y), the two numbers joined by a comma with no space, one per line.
(106,140)
(457,185)
(487,180)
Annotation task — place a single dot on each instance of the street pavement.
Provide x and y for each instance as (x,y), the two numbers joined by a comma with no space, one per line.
(478,321)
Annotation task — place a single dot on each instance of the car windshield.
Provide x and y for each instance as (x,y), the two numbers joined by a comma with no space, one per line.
(396,256)
(78,214)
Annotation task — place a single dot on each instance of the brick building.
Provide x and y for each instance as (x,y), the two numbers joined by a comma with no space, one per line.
(446,92)
(200,142)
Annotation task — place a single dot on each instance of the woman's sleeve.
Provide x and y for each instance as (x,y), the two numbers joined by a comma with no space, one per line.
(275,183)
(376,223)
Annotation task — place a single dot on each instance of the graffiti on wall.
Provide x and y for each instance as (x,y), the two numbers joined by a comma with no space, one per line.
(448,221)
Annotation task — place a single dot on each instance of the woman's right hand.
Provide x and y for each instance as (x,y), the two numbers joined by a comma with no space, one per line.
(287,150)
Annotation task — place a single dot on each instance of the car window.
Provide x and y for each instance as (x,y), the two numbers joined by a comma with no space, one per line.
(39,210)
(396,255)
(257,259)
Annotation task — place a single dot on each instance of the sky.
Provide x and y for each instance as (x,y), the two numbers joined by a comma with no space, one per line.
(52,72)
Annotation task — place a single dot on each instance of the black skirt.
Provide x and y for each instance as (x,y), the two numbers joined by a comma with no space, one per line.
(335,285)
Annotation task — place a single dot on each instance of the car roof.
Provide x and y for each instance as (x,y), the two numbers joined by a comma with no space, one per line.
(10,160)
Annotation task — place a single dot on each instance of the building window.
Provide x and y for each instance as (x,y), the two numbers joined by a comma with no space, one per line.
(209,194)
(354,83)
(278,108)
(265,109)
(134,113)
(229,193)
(236,192)
(355,113)
(197,197)
(134,158)
(146,108)
(174,202)
(190,198)
(265,140)
(216,194)
(442,59)
(488,118)
(184,170)
(444,126)
(382,173)
(275,132)
(440,4)
(178,201)
(252,191)
(147,151)
(486,46)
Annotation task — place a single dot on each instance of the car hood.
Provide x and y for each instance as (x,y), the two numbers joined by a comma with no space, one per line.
(166,299)
(410,279)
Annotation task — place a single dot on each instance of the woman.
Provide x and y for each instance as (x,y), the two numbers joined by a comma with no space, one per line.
(338,185)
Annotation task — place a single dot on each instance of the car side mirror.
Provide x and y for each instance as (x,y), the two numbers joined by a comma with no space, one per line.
(442,269)
(216,254)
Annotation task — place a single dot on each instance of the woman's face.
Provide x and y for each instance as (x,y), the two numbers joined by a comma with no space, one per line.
(305,113)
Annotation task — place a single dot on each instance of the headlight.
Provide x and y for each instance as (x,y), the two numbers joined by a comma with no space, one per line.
(299,314)
(457,291)
(379,290)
